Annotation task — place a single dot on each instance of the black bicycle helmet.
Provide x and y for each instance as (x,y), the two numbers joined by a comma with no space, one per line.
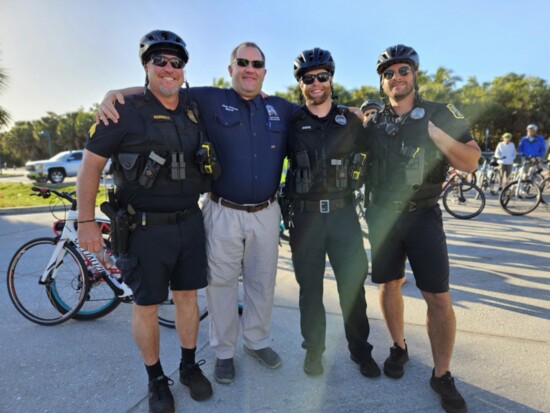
(397,54)
(313,59)
(371,104)
(162,41)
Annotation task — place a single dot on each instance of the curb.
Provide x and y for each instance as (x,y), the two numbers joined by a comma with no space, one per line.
(31,210)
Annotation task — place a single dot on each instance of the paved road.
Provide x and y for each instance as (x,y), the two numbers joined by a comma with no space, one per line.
(501,290)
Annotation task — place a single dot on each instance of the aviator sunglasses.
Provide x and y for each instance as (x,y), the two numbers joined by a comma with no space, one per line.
(390,73)
(256,64)
(162,61)
(321,77)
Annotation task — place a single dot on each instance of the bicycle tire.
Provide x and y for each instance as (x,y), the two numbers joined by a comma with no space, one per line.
(166,315)
(101,299)
(463,200)
(39,302)
(545,191)
(494,182)
(522,200)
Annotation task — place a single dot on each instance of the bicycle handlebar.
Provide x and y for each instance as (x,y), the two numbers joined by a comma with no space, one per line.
(47,192)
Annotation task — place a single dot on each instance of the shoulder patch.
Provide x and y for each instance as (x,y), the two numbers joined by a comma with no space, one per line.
(455,111)
(92,130)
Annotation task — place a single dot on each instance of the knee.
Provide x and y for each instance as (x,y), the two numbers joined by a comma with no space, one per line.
(440,302)
(391,287)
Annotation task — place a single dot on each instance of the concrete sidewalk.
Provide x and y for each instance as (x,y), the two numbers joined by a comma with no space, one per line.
(500,273)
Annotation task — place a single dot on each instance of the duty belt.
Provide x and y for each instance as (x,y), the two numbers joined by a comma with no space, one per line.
(406,206)
(324,206)
(163,218)
(247,208)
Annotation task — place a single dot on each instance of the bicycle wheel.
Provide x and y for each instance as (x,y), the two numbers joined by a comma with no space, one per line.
(166,314)
(545,192)
(37,301)
(520,198)
(463,200)
(494,182)
(101,299)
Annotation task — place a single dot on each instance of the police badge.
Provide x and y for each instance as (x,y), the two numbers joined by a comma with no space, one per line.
(340,120)
(418,113)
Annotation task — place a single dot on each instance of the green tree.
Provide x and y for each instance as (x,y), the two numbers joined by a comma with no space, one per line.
(221,83)
(4,115)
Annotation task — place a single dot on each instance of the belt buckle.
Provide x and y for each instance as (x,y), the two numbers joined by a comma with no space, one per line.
(324,206)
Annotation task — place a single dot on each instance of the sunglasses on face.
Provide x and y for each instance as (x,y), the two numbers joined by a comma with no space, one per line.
(370,112)
(256,64)
(162,61)
(390,73)
(321,77)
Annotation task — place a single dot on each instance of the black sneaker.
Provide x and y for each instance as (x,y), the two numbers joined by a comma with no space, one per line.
(192,377)
(367,365)
(160,396)
(312,363)
(224,371)
(266,356)
(451,400)
(393,366)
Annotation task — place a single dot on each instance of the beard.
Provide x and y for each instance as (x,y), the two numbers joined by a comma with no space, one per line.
(167,92)
(402,94)
(318,100)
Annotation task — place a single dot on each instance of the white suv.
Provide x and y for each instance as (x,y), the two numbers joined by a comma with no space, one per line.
(63,164)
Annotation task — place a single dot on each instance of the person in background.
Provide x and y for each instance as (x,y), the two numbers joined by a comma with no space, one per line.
(369,108)
(326,166)
(532,145)
(505,153)
(410,145)
(157,187)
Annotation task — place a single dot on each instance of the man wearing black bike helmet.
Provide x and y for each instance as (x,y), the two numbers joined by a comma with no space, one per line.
(153,147)
(369,108)
(411,142)
(325,168)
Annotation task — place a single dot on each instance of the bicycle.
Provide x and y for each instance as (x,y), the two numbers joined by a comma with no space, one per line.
(461,197)
(490,175)
(72,282)
(524,194)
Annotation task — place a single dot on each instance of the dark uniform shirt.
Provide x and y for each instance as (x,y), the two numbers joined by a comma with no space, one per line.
(395,172)
(249,137)
(330,143)
(134,131)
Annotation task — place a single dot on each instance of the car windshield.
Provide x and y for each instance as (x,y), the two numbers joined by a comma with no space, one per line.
(60,156)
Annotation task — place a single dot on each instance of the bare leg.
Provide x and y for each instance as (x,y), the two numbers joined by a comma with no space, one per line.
(391,302)
(145,329)
(187,317)
(441,323)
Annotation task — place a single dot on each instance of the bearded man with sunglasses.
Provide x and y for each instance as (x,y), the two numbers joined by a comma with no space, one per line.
(158,182)
(241,213)
(326,166)
(411,143)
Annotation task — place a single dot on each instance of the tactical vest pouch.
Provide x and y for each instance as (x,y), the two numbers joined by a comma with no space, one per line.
(341,172)
(207,161)
(177,167)
(414,170)
(358,170)
(130,164)
(303,173)
(151,170)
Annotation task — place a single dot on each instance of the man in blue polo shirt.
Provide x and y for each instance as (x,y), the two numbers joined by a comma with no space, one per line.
(241,215)
(532,144)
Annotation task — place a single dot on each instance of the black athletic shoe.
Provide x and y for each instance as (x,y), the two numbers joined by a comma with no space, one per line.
(451,400)
(367,365)
(192,377)
(160,396)
(312,363)
(393,366)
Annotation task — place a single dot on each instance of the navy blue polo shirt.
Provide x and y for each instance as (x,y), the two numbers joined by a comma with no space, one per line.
(250,138)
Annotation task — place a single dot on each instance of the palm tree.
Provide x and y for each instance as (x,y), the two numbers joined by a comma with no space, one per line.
(4,116)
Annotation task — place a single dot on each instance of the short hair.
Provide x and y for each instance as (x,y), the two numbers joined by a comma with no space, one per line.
(245,44)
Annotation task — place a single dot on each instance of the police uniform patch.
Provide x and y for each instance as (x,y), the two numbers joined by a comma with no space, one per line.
(341,120)
(418,113)
(455,111)
(92,130)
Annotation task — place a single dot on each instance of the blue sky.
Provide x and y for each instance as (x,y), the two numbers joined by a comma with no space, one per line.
(61,55)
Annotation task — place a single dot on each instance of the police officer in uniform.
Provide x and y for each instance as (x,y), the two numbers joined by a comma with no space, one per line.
(411,142)
(325,168)
(369,108)
(153,148)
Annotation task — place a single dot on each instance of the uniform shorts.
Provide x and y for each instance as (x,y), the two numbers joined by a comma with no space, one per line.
(163,257)
(416,235)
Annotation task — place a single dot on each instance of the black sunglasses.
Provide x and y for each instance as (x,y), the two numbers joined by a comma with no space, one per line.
(256,64)
(162,61)
(390,73)
(321,77)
